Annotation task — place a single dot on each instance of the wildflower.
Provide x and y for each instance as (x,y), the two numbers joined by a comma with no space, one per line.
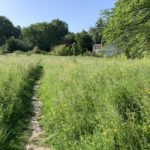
(111,122)
(147,91)
(104,133)
(115,130)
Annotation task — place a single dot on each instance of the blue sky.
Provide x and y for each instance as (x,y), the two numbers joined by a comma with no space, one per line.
(79,14)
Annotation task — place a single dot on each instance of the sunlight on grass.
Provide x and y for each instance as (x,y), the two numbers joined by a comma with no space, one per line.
(91,103)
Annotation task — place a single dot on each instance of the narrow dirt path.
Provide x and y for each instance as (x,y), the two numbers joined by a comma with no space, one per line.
(35,139)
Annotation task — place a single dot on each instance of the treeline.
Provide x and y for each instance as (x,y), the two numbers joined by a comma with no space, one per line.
(125,28)
(45,37)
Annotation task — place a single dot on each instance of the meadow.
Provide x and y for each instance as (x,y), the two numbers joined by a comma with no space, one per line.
(96,104)
(17,76)
(87,103)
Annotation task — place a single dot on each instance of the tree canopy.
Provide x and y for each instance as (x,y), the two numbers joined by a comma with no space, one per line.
(84,40)
(125,27)
(7,29)
(45,35)
(129,27)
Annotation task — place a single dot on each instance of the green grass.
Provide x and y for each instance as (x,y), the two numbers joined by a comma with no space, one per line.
(17,76)
(96,104)
(87,103)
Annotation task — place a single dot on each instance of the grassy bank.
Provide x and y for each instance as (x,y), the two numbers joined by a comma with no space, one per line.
(96,104)
(17,76)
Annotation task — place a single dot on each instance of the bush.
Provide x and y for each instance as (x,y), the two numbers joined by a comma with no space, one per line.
(76,49)
(84,40)
(19,52)
(13,44)
(4,49)
(62,50)
(36,50)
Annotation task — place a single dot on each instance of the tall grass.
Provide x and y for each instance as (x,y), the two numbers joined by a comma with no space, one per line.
(17,76)
(96,104)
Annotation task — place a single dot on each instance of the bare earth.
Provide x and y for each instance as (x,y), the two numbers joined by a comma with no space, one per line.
(36,135)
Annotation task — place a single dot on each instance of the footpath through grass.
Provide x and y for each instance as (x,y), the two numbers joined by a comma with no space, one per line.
(96,104)
(87,103)
(17,77)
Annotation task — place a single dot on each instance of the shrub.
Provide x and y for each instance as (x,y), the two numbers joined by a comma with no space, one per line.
(4,49)
(84,40)
(28,53)
(62,50)
(16,44)
(36,50)
(76,49)
(19,52)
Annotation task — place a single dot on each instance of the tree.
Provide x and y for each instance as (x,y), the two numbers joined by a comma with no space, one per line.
(7,30)
(100,25)
(106,14)
(69,38)
(18,44)
(17,32)
(60,29)
(46,35)
(76,49)
(129,27)
(94,33)
(97,32)
(39,35)
(84,41)
(13,44)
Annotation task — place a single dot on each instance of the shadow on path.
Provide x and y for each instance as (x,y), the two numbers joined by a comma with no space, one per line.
(16,126)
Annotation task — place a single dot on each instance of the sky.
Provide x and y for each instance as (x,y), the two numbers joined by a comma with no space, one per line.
(79,14)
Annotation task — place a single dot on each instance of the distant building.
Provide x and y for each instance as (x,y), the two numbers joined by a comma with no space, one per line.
(96,47)
(107,50)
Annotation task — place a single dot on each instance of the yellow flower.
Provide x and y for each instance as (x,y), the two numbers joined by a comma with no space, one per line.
(115,130)
(147,91)
(104,133)
(111,122)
